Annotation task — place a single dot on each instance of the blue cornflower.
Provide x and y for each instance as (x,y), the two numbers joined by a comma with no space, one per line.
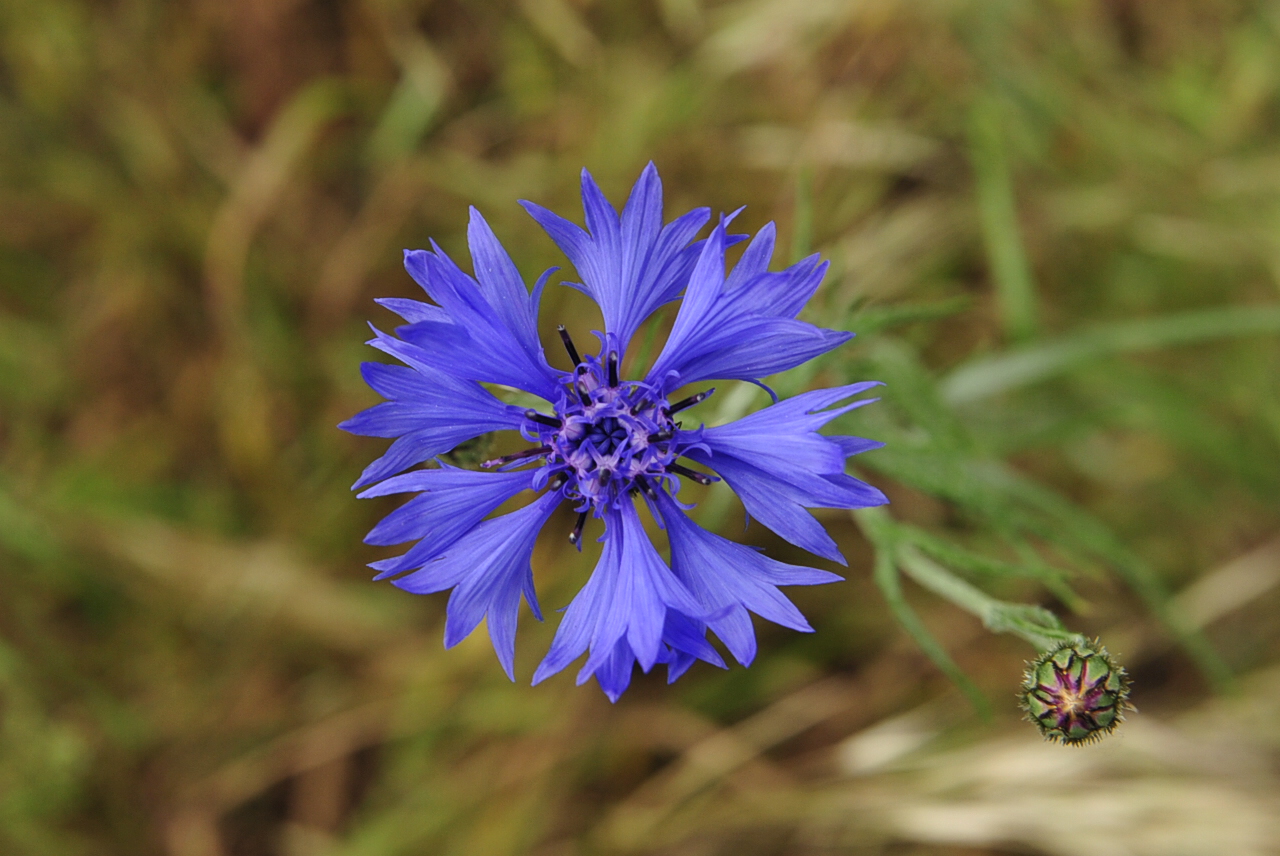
(604,441)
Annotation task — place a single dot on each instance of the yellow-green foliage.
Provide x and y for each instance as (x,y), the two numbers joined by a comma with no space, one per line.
(1055,225)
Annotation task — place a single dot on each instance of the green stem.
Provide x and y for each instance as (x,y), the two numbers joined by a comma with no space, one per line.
(878,528)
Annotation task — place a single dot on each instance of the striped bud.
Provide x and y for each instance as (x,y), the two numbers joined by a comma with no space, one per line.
(1075,693)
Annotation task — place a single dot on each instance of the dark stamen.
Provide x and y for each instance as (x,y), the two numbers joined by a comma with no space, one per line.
(558,481)
(518,456)
(613,368)
(575,537)
(542,418)
(568,345)
(700,478)
(691,401)
(647,488)
(661,436)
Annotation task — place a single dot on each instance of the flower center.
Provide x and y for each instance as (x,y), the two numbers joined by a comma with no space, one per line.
(608,437)
(612,435)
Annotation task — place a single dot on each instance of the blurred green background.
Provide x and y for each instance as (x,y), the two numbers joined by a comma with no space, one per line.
(1054,225)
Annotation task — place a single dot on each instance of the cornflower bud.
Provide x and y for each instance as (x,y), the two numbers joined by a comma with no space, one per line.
(1075,693)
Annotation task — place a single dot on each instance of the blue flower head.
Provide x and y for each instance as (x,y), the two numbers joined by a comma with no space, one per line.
(604,443)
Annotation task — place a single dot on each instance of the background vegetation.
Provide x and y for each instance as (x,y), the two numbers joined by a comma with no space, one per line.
(1054,225)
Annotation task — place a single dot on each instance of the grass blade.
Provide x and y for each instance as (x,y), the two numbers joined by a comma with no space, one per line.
(1020,367)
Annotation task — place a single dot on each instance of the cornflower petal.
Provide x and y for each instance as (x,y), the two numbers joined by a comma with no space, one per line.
(784,436)
(613,671)
(488,569)
(778,464)
(452,502)
(630,265)
(430,412)
(783,293)
(729,580)
(413,311)
(850,446)
(684,643)
(491,332)
(741,328)
(503,288)
(626,598)
(777,504)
